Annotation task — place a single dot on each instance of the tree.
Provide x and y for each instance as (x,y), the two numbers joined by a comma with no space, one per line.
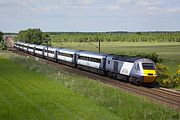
(35,36)
(1,36)
(2,42)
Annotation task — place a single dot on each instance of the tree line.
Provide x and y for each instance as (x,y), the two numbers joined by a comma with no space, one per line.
(114,37)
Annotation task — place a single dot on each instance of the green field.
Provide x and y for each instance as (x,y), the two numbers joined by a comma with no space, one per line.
(33,90)
(168,51)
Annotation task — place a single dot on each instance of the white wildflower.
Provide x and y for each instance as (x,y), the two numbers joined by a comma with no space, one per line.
(37,59)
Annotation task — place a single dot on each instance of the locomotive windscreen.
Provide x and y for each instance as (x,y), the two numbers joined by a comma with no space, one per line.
(148,66)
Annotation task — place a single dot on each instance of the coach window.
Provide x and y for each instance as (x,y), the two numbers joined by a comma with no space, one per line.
(52,52)
(38,49)
(31,48)
(66,54)
(137,66)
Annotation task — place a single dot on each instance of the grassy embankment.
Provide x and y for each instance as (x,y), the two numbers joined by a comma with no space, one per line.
(26,94)
(34,90)
(168,51)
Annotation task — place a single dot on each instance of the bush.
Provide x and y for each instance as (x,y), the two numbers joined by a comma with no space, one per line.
(177,81)
(3,45)
(163,75)
(165,79)
(153,56)
(163,71)
(167,83)
(178,71)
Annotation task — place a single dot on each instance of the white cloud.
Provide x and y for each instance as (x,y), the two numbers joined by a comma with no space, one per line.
(47,8)
(113,7)
(157,6)
(159,10)
(123,1)
(145,3)
(17,2)
(86,2)
(172,10)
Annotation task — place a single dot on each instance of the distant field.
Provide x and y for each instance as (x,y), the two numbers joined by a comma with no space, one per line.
(168,51)
(34,90)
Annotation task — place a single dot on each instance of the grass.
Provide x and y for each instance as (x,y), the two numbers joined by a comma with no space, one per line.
(29,95)
(33,90)
(168,51)
(177,88)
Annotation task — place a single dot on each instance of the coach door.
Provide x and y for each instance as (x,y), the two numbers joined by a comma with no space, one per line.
(115,68)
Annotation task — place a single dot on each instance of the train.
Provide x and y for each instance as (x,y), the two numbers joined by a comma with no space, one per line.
(130,69)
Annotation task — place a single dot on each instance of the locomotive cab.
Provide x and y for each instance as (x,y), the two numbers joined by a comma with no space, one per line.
(149,71)
(145,70)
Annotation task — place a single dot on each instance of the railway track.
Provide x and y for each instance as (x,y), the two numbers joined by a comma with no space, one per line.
(170,98)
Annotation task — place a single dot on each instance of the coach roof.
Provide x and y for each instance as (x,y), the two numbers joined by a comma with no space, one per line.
(91,54)
(69,51)
(126,58)
(40,46)
(51,48)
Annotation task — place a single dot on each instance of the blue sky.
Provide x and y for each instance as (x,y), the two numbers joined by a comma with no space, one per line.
(90,15)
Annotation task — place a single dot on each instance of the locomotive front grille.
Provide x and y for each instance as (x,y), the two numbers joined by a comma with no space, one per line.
(150,74)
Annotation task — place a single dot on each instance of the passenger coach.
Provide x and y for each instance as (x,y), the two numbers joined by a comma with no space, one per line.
(91,61)
(67,56)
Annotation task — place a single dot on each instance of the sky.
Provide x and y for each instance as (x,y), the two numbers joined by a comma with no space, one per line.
(90,15)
